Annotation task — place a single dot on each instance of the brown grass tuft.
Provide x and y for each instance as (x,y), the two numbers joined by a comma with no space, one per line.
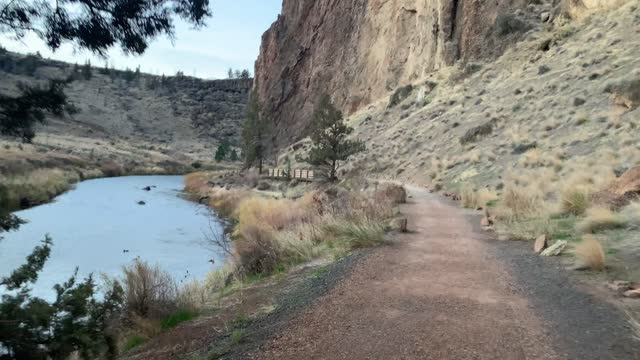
(149,291)
(600,218)
(590,253)
(575,200)
(520,203)
(195,182)
(256,249)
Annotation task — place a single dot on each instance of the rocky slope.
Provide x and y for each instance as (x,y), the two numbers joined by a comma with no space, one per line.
(360,50)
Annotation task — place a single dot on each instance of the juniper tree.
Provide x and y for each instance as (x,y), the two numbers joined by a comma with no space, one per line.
(18,114)
(93,25)
(222,151)
(32,328)
(233,156)
(330,138)
(255,134)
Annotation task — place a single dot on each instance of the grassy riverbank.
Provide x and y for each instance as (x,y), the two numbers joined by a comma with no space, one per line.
(34,174)
(276,230)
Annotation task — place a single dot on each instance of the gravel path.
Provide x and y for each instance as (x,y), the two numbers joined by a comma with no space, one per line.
(443,292)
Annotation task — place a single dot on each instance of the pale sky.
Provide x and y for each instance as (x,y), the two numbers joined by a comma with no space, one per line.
(231,39)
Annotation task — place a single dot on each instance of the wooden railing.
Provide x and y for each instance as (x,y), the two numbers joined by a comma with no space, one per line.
(304,175)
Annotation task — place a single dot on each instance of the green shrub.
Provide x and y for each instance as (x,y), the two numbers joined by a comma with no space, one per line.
(133,342)
(176,319)
(238,336)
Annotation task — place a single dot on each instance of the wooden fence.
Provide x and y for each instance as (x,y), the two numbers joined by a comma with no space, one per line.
(304,175)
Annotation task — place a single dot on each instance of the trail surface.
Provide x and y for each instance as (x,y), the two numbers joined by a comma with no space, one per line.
(443,291)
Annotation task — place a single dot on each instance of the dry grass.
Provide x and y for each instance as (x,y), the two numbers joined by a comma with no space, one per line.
(475,199)
(520,203)
(590,253)
(195,182)
(255,249)
(575,200)
(150,292)
(526,229)
(271,233)
(468,197)
(226,201)
(355,234)
(271,213)
(37,187)
(600,218)
(219,278)
(300,243)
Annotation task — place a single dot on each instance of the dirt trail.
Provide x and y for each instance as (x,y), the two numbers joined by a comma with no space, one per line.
(438,292)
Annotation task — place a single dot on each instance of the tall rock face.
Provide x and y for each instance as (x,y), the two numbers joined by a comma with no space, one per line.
(359,50)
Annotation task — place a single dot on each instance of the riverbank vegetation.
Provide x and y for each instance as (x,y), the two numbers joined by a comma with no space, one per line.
(272,231)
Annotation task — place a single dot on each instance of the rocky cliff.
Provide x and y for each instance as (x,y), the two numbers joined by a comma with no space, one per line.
(359,50)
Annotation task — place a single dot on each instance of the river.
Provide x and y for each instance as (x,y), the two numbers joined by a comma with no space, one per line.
(100,227)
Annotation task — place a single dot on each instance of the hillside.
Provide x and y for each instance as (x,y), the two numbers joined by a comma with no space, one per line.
(120,122)
(111,103)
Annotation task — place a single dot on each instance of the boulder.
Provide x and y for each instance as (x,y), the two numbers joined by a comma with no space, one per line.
(556,249)
(540,244)
(633,294)
(142,203)
(629,182)
(621,191)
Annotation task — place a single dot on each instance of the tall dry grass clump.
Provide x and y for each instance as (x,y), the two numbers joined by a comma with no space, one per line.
(354,235)
(150,292)
(272,213)
(195,182)
(575,200)
(600,218)
(256,249)
(476,199)
(226,201)
(521,203)
(590,253)
(468,197)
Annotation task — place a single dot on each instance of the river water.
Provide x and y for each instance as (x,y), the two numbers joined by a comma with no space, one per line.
(100,227)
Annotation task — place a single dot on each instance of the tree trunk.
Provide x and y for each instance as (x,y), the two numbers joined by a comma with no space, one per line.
(332,176)
(260,167)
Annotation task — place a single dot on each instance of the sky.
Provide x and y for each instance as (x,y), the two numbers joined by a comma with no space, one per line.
(230,40)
